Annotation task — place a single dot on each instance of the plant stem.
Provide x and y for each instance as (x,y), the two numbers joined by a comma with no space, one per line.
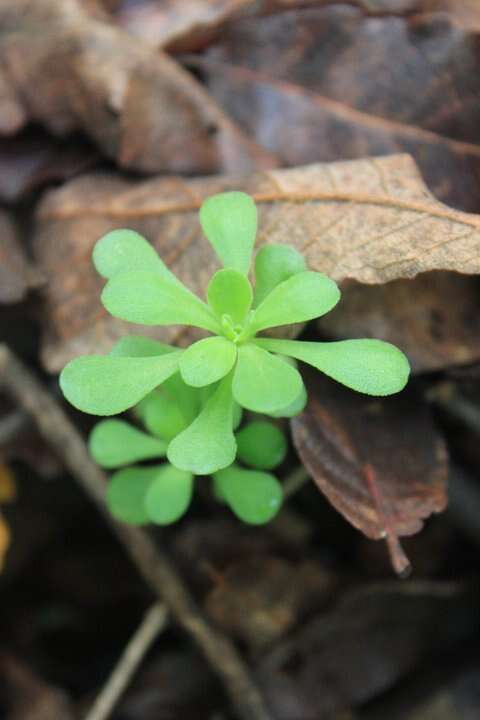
(295,481)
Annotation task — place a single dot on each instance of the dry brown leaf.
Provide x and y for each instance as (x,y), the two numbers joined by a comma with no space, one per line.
(16,273)
(68,70)
(29,696)
(4,541)
(370,220)
(318,84)
(417,315)
(8,490)
(260,598)
(201,21)
(372,638)
(380,463)
(32,160)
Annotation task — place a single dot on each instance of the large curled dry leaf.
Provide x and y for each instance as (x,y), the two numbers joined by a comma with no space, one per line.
(372,221)
(68,70)
(380,463)
(318,84)
(16,273)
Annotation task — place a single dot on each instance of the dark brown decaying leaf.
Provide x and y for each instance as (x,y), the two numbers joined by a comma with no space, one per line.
(30,161)
(417,315)
(31,698)
(68,70)
(16,273)
(319,84)
(261,598)
(372,221)
(202,21)
(381,463)
(373,638)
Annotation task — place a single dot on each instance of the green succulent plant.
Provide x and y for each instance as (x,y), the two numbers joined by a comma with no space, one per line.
(161,493)
(235,367)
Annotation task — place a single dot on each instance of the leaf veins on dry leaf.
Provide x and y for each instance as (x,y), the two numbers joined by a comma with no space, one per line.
(371,220)
(380,463)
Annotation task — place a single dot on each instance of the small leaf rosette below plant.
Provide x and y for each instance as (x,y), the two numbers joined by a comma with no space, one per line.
(161,493)
(234,366)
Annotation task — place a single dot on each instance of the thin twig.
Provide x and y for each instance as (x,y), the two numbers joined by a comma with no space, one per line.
(152,624)
(151,561)
(295,481)
(11,425)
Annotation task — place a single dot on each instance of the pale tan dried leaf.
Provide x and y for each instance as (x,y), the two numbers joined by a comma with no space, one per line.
(369,220)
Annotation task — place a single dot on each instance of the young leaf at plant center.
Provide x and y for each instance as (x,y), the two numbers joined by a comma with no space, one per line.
(114,443)
(139,346)
(169,495)
(106,385)
(126,493)
(125,250)
(229,221)
(208,444)
(302,297)
(261,444)
(149,299)
(255,497)
(273,265)
(262,382)
(207,361)
(230,293)
(369,366)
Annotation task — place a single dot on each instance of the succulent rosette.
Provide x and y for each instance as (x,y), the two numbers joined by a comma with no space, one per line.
(234,367)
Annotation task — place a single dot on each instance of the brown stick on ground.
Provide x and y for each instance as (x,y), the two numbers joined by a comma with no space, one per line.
(154,621)
(153,563)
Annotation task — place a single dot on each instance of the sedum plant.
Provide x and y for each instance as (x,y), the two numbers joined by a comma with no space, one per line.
(235,367)
(161,493)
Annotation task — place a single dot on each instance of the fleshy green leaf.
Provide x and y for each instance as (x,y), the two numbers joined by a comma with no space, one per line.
(163,416)
(295,408)
(106,385)
(124,250)
(114,443)
(230,293)
(369,366)
(261,444)
(149,299)
(262,382)
(208,444)
(255,497)
(237,414)
(207,361)
(304,296)
(229,221)
(273,265)
(126,493)
(139,346)
(169,495)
